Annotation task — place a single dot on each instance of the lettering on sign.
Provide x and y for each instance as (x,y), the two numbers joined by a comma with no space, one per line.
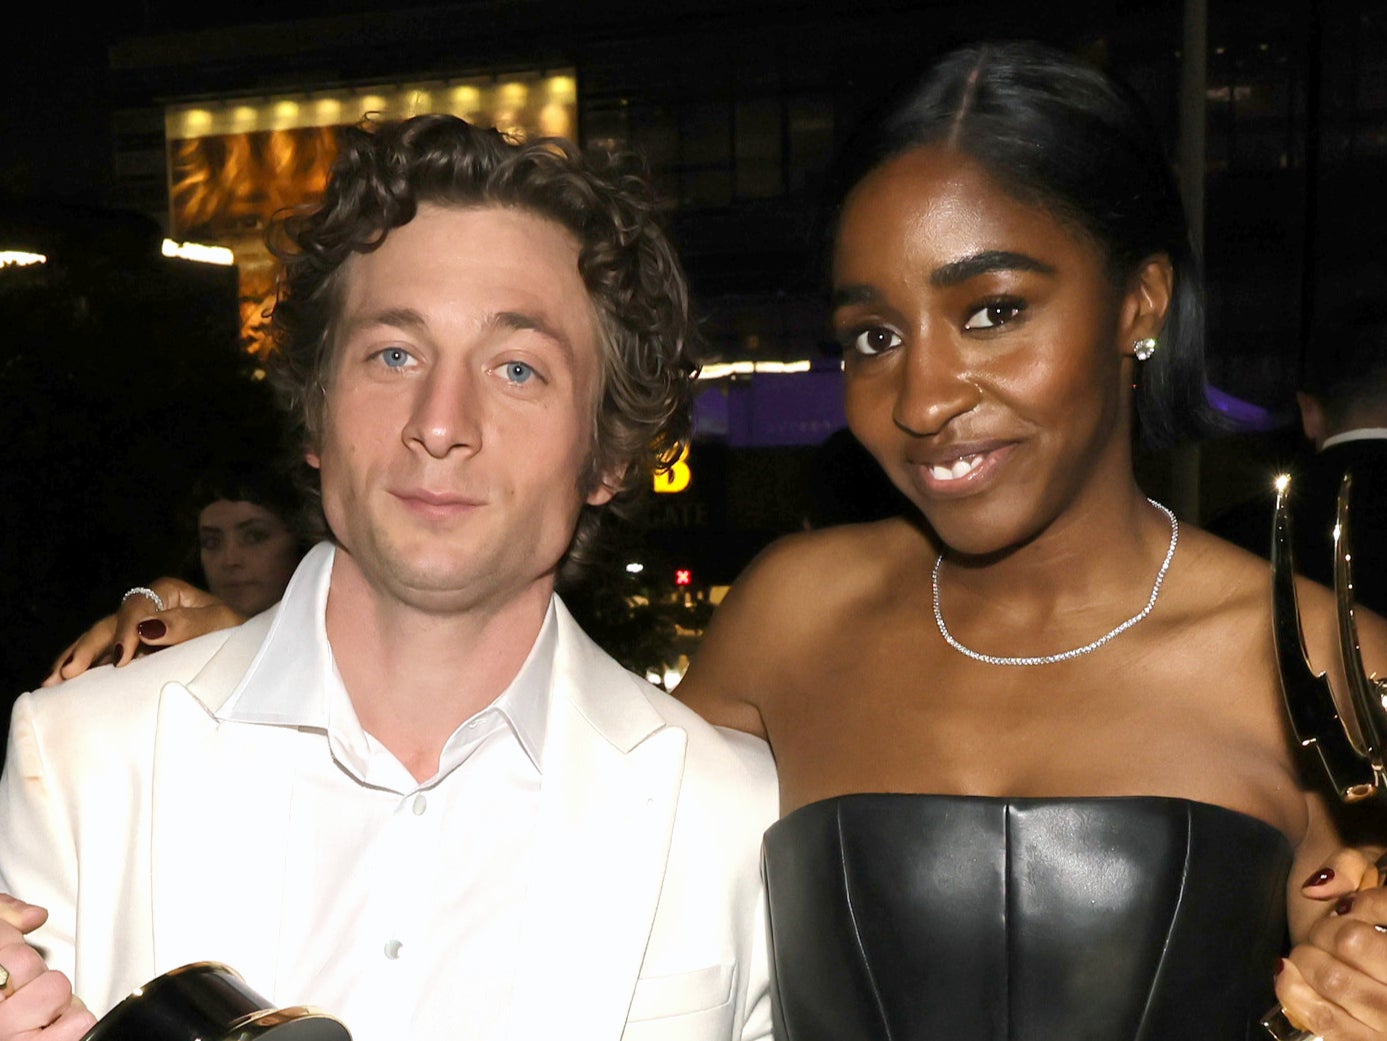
(677,477)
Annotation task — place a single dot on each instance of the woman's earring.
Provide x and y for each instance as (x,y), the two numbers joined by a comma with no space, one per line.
(1143,349)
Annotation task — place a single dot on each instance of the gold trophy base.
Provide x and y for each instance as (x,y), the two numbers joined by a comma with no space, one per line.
(1280,1027)
(207,1001)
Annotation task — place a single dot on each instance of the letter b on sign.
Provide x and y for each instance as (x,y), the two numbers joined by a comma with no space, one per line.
(677,477)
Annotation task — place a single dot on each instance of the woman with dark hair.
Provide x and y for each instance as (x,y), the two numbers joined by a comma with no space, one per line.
(1033,764)
(249,537)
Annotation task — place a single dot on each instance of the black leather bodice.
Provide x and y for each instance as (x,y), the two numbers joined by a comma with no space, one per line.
(960,918)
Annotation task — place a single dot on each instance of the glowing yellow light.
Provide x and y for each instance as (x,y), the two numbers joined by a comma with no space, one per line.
(1282,482)
(327,111)
(18,258)
(244,119)
(372,103)
(677,477)
(200,253)
(466,99)
(554,121)
(284,115)
(562,88)
(196,122)
(513,93)
(420,101)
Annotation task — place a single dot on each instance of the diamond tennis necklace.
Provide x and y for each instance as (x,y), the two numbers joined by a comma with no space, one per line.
(1050,659)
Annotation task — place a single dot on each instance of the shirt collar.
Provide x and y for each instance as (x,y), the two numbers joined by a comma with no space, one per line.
(293,680)
(1361,434)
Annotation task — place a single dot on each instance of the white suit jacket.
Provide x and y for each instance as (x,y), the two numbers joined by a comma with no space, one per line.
(129,812)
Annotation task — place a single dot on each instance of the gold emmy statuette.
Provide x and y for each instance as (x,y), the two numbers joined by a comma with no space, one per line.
(1353,761)
(207,1001)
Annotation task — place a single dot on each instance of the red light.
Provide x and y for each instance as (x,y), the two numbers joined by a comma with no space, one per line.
(683,576)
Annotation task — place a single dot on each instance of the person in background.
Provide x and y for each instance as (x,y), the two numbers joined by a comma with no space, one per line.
(1343,413)
(250,536)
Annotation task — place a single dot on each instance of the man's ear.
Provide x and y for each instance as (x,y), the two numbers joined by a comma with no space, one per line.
(1312,418)
(1147,303)
(607,486)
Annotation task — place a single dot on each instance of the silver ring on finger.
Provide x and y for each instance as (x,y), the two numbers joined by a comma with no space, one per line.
(146,592)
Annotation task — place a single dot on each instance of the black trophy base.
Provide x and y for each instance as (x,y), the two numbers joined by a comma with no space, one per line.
(206,1001)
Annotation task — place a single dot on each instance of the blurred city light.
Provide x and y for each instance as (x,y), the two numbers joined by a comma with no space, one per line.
(18,258)
(720,369)
(199,252)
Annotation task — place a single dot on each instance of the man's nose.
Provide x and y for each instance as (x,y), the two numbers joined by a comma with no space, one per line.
(446,413)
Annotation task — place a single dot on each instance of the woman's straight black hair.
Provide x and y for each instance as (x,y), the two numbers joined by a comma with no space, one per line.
(1059,134)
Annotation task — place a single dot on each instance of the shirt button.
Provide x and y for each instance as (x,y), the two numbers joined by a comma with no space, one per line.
(392,949)
(420,805)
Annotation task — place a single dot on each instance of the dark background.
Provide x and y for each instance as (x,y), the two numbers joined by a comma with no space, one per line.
(119,370)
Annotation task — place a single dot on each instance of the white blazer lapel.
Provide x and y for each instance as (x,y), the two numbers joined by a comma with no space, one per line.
(612,772)
(218,824)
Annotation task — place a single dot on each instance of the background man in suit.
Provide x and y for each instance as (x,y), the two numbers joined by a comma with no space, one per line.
(1343,412)
(416,794)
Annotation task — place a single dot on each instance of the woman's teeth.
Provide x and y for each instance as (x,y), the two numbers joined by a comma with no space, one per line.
(960,467)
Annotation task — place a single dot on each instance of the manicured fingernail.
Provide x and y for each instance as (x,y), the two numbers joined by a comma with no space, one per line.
(1344,906)
(116,652)
(1319,878)
(151,629)
(1280,964)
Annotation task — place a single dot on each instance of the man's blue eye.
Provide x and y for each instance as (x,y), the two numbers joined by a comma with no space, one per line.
(518,371)
(395,357)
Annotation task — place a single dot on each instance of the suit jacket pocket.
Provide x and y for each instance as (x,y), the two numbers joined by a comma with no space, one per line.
(693,1005)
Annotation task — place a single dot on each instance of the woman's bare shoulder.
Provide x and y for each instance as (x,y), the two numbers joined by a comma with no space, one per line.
(792,598)
(1221,575)
(1231,580)
(835,564)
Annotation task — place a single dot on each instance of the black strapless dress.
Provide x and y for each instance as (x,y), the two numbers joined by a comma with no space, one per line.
(961,918)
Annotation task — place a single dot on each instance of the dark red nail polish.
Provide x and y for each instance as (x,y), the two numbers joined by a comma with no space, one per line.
(1319,878)
(151,629)
(1344,906)
(1280,964)
(116,652)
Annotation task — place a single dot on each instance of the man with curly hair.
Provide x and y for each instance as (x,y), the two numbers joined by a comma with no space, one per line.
(415,794)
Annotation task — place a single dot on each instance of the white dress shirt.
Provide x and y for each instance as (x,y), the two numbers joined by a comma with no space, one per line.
(402,898)
(1358,434)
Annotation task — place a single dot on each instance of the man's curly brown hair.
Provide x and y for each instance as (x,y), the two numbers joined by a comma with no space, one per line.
(386,170)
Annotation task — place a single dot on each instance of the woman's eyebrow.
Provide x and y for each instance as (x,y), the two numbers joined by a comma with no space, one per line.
(961,270)
(953,273)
